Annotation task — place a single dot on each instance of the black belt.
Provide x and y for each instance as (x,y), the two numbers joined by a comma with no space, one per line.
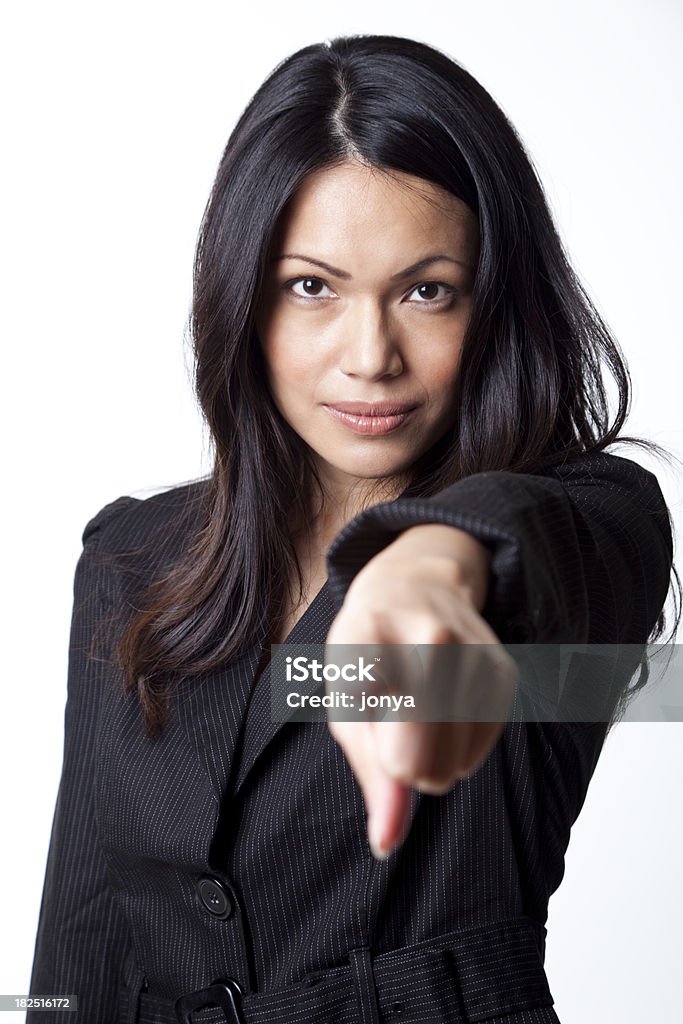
(463,976)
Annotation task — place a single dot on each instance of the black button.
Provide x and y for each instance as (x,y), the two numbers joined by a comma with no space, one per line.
(214,897)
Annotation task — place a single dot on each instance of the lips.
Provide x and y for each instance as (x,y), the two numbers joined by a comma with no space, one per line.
(371,418)
(373,408)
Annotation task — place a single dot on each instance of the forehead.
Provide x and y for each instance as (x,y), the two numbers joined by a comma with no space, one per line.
(360,205)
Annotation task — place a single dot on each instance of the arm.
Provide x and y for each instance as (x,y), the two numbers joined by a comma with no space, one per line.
(580,554)
(82,936)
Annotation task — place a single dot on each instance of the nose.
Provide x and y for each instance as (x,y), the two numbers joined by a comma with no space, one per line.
(369,346)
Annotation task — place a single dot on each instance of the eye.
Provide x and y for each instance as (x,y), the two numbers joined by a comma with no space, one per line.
(311,288)
(428,292)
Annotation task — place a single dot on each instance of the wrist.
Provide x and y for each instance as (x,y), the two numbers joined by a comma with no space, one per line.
(465,561)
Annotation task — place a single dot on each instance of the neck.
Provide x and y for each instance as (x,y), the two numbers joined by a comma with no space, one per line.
(334,507)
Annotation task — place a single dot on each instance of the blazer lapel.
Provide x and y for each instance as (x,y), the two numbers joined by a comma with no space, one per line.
(259,727)
(225,715)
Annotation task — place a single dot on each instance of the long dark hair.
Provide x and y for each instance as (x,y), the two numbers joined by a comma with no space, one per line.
(530,391)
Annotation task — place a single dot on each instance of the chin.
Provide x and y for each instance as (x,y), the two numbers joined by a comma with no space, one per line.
(368,469)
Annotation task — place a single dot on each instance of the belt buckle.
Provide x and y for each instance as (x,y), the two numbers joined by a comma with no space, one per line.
(223,992)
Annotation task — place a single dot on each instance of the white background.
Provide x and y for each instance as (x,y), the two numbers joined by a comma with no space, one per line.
(114,119)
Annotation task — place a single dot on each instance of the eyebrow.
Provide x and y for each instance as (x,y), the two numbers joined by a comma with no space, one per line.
(407,272)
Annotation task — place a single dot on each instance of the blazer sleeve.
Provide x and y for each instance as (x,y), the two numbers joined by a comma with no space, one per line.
(82,937)
(581,553)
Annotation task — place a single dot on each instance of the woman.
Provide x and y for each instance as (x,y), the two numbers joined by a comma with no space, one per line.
(402,379)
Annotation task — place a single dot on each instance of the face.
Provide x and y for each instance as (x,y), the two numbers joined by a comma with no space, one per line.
(361,324)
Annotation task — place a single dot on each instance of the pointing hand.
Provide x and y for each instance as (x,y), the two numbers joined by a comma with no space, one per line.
(427,588)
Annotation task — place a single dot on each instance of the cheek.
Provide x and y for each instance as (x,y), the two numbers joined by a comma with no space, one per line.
(292,352)
(439,373)
(287,362)
(291,365)
(435,351)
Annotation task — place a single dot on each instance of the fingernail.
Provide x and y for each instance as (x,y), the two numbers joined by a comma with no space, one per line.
(379,851)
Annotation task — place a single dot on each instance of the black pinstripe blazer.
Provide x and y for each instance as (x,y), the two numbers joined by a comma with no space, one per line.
(236,847)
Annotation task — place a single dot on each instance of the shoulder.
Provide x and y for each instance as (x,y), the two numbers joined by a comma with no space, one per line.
(605,480)
(151,529)
(603,467)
